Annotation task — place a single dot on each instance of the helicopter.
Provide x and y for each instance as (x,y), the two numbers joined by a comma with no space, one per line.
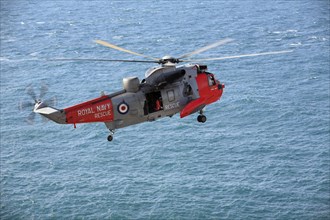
(166,90)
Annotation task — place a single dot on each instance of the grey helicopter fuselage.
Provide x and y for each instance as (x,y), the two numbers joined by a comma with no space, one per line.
(164,92)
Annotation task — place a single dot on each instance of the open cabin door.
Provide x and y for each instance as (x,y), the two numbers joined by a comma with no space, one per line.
(153,104)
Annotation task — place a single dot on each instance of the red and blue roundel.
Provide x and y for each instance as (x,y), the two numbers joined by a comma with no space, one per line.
(123,107)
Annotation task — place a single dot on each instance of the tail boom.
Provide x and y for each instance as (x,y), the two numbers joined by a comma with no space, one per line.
(51,113)
(95,110)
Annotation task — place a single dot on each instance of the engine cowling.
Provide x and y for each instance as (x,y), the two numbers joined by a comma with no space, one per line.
(131,84)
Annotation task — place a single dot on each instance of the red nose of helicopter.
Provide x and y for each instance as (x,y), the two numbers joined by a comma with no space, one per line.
(220,85)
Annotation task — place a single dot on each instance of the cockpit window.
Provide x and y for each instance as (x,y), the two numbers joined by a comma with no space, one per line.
(211,80)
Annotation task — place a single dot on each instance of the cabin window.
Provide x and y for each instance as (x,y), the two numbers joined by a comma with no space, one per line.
(170,95)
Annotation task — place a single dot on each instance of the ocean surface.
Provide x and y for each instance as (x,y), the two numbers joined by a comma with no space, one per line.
(262,154)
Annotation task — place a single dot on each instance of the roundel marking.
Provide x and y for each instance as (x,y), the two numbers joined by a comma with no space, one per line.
(123,107)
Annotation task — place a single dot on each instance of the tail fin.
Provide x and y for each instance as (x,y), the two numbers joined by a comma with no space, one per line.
(51,113)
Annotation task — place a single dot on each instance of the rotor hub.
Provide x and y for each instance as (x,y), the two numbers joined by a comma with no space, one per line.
(168,59)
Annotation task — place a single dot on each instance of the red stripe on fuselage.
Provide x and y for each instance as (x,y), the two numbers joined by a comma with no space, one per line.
(95,110)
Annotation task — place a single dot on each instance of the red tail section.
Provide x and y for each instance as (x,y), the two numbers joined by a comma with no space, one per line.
(96,110)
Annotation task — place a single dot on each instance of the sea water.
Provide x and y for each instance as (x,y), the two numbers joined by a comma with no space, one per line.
(262,154)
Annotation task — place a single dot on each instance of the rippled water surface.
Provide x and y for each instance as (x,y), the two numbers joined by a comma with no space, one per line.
(263,153)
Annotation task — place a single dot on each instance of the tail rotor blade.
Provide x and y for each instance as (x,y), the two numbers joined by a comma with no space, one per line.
(25,105)
(51,101)
(30,118)
(30,92)
(30,106)
(43,90)
(44,119)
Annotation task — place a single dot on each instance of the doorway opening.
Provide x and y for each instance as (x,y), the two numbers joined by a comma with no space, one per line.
(153,102)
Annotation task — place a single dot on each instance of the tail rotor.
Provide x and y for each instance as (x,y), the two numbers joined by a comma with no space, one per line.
(36,101)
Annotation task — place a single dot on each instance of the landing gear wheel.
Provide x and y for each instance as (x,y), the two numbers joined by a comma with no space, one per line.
(112,132)
(110,138)
(201,118)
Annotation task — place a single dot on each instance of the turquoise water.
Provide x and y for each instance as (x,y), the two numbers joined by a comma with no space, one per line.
(263,153)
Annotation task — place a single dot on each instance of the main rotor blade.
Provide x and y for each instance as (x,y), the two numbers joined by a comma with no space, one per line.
(104,43)
(208,47)
(240,56)
(103,60)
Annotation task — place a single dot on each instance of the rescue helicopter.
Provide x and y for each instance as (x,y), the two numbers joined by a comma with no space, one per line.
(166,90)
